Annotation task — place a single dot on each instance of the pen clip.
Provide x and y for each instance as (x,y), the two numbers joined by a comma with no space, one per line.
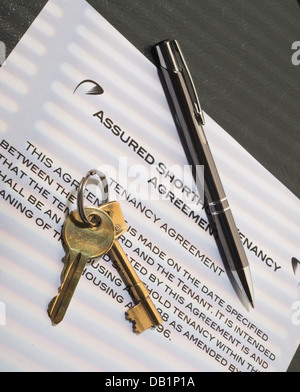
(189,83)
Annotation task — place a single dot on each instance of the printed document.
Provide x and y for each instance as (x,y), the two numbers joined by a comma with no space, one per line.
(75,95)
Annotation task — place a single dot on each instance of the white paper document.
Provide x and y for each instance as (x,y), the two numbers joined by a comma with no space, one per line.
(75,95)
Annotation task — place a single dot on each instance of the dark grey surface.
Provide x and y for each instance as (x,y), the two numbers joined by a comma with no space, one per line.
(239,53)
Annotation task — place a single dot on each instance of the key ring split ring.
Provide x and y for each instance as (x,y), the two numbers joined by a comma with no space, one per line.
(81,191)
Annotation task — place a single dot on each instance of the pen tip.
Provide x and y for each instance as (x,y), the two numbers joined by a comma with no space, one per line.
(252,304)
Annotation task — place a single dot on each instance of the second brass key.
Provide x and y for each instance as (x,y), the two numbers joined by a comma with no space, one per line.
(144,314)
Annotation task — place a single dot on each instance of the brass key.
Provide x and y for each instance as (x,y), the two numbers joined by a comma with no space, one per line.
(82,242)
(144,314)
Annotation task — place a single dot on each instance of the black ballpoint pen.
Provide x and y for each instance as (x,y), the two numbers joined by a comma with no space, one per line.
(189,119)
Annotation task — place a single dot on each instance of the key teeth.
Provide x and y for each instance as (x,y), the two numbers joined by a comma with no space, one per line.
(134,324)
(139,318)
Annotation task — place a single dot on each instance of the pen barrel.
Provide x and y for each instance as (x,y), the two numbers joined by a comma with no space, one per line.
(185,107)
(198,153)
(192,135)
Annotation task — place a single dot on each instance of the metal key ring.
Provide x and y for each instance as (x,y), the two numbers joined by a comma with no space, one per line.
(81,191)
